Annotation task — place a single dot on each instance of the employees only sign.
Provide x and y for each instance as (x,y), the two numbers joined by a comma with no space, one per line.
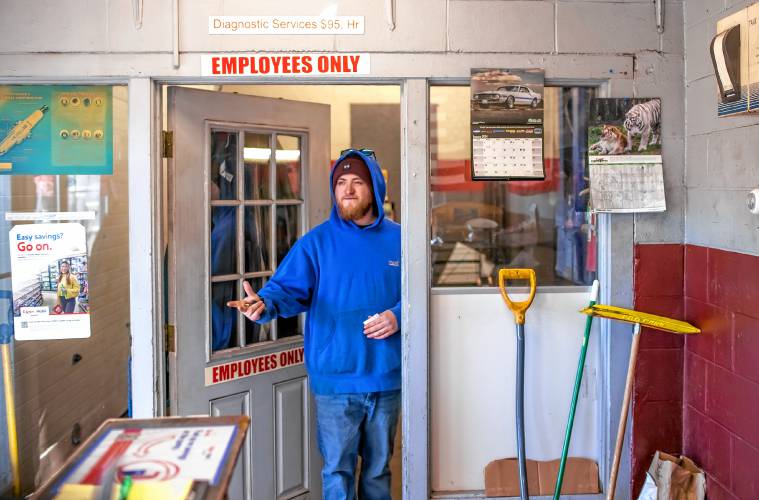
(242,368)
(284,64)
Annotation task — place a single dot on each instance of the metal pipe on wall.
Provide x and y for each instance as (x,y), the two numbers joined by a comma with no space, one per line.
(175,32)
(660,16)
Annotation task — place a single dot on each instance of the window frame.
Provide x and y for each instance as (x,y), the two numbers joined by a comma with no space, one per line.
(600,88)
(241,204)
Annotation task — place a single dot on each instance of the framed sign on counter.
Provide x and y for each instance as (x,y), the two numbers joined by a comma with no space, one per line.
(165,457)
(507,124)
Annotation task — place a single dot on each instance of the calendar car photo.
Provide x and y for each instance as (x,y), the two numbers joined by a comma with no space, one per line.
(506,96)
(624,126)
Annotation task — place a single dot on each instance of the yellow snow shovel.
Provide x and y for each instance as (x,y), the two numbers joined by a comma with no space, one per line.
(519,309)
(637,318)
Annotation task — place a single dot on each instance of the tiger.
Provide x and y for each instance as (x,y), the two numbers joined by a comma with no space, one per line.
(612,142)
(643,120)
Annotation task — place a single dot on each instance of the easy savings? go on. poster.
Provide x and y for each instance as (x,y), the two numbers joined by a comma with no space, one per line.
(50,284)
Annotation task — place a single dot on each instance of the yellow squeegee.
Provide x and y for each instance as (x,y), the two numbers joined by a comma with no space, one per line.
(638,319)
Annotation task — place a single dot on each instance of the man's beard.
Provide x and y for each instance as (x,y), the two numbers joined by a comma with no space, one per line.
(355,211)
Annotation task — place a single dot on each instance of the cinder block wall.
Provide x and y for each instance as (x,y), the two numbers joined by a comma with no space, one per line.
(614,40)
(721,379)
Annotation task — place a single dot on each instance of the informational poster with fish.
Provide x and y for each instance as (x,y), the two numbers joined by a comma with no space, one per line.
(624,155)
(172,455)
(56,129)
(50,281)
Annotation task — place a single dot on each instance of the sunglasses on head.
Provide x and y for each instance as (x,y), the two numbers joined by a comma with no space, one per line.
(367,152)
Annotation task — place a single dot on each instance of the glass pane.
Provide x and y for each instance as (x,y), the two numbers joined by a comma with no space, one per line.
(257,234)
(103,285)
(288,327)
(480,227)
(288,229)
(254,332)
(223,165)
(257,153)
(223,239)
(288,168)
(223,318)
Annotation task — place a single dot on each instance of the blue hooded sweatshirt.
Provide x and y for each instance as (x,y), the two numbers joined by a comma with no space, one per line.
(340,274)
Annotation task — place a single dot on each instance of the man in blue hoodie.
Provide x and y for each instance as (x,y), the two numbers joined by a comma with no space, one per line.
(345,273)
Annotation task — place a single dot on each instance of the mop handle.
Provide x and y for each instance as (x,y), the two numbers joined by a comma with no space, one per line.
(518,308)
(623,414)
(575,393)
(524,493)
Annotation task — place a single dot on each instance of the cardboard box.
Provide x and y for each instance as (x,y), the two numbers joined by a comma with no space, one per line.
(580,477)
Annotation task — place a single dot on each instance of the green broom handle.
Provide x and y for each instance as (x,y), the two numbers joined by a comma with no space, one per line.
(576,393)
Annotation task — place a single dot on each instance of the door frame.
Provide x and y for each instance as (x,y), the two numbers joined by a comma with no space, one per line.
(147,244)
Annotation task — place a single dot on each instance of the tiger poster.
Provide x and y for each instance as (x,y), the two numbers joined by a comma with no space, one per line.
(624,155)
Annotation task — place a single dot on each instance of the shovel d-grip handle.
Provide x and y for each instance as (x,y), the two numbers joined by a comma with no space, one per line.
(518,308)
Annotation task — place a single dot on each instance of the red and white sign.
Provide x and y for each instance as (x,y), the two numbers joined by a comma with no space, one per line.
(242,368)
(170,454)
(291,65)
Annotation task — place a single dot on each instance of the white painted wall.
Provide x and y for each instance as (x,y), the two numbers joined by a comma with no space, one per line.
(473,370)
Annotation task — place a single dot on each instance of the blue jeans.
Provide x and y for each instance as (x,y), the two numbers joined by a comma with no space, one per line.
(67,305)
(349,425)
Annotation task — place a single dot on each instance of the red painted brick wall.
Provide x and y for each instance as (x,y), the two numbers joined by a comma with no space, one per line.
(699,396)
(657,400)
(721,381)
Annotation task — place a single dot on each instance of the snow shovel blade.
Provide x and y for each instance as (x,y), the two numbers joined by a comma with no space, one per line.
(644,319)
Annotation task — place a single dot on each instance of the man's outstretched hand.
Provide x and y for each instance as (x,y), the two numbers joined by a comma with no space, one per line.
(251,306)
(381,327)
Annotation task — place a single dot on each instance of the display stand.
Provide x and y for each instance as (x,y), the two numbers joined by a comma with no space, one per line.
(169,450)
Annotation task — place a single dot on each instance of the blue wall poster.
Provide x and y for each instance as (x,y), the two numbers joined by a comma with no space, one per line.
(56,129)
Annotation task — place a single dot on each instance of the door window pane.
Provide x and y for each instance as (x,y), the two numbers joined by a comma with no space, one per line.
(288,327)
(255,333)
(257,153)
(223,240)
(257,238)
(223,165)
(480,227)
(223,319)
(288,229)
(288,168)
(269,227)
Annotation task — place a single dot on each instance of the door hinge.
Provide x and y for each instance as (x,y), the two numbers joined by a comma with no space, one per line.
(169,338)
(167,144)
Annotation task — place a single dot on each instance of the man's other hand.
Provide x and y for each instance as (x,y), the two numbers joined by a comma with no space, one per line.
(251,306)
(383,326)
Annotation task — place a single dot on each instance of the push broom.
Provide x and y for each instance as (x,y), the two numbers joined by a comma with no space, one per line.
(519,309)
(636,318)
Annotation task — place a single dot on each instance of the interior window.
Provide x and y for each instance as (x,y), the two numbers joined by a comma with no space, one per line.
(478,227)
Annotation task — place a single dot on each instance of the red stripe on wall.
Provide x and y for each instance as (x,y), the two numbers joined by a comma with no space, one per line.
(717,370)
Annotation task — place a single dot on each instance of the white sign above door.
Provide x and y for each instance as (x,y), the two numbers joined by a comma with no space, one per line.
(285,25)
